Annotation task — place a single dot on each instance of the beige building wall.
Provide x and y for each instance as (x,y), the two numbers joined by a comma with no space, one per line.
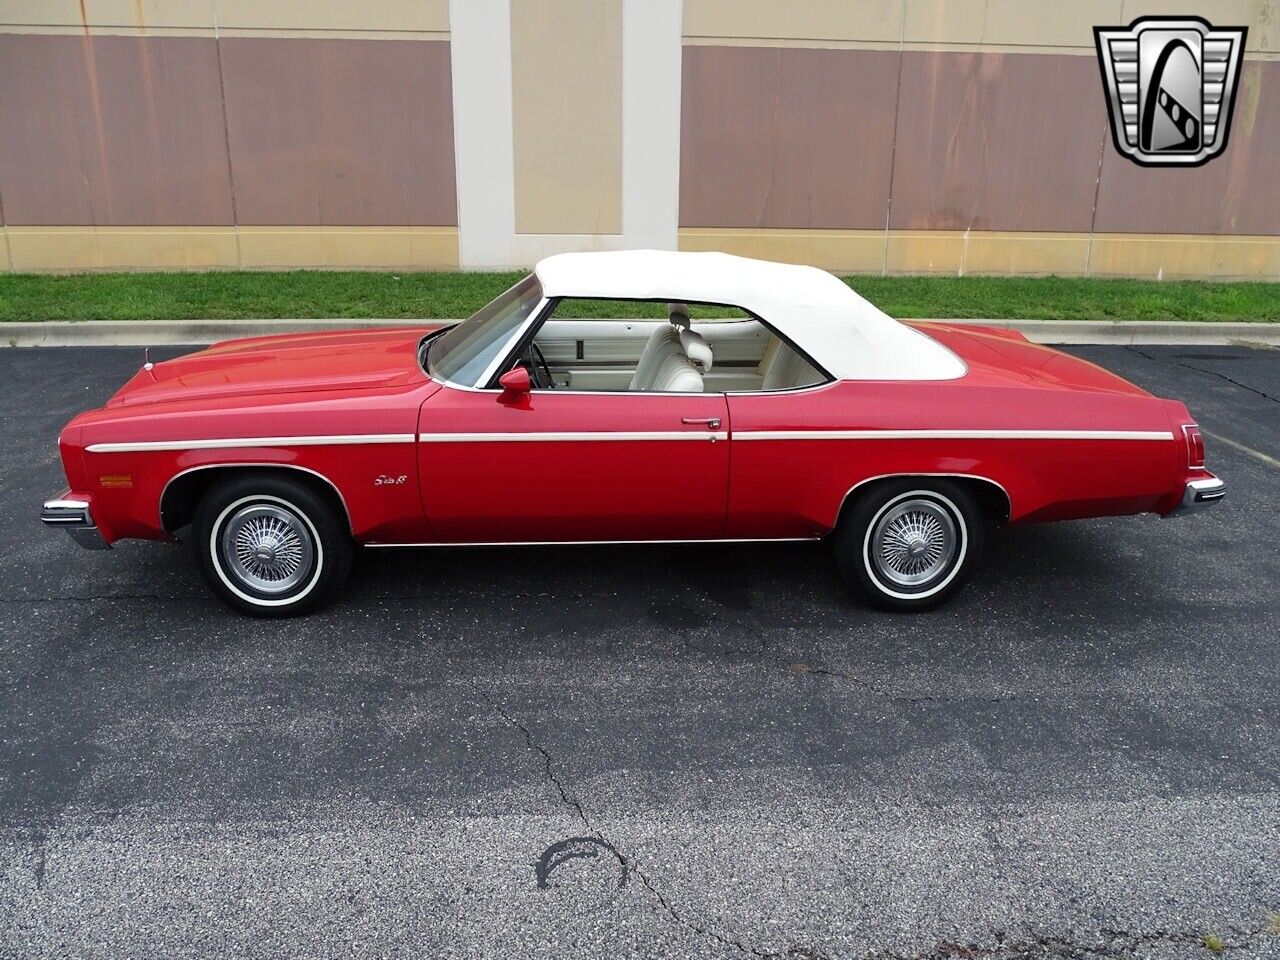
(567,126)
(566,82)
(932,136)
(212,134)
(956,24)
(404,18)
(959,136)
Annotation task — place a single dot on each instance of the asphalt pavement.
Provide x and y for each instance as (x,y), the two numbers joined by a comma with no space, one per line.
(651,751)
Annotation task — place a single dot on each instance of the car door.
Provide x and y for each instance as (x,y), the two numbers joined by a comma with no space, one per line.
(553,465)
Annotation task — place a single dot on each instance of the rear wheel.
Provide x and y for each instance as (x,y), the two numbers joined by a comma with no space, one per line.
(909,544)
(270,547)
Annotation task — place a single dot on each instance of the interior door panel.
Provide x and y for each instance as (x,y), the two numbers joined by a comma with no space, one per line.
(621,341)
(602,354)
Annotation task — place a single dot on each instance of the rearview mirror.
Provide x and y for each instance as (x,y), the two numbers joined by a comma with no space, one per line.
(516,380)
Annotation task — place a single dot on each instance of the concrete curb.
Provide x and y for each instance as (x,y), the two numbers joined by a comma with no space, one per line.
(86,333)
(156,333)
(1138,332)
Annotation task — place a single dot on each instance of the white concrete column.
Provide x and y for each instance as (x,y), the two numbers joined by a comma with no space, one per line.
(480,49)
(652,55)
(485,151)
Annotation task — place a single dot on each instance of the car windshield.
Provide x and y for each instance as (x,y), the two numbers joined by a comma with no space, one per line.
(464,354)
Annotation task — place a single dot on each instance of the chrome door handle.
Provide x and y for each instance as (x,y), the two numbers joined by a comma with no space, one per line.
(711,422)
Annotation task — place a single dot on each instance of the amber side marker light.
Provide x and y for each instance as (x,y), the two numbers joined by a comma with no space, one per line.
(1195,445)
(115,480)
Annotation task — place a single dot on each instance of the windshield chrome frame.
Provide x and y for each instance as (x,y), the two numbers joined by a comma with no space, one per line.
(512,343)
(504,351)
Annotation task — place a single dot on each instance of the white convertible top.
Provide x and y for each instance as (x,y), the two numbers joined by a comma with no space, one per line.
(818,312)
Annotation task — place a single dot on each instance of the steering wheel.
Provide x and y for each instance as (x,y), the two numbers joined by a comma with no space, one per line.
(535,354)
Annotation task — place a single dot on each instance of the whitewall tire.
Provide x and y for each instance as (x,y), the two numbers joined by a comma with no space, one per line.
(270,546)
(909,544)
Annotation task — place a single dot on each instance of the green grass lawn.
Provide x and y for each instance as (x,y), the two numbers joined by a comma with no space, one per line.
(358,294)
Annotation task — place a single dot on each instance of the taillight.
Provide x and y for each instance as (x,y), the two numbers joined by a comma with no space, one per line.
(1195,445)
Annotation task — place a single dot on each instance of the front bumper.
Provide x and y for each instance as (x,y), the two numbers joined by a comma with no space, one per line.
(75,517)
(1199,494)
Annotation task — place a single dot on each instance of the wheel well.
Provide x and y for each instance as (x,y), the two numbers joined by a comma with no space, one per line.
(184,492)
(991,498)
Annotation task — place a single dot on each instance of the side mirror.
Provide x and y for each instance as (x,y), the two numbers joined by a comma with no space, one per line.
(516,381)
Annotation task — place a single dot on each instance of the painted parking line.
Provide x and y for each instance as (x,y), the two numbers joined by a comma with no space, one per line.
(1256,454)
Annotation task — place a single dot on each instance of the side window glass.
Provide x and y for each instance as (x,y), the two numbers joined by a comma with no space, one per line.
(626,346)
(782,367)
(638,346)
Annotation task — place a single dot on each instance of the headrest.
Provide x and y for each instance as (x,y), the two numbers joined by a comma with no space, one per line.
(696,348)
(678,314)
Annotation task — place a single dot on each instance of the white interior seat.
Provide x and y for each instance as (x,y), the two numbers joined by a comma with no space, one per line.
(782,368)
(657,347)
(667,363)
(677,374)
(666,369)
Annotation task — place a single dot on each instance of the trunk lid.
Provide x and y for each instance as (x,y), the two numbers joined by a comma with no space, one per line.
(1006,356)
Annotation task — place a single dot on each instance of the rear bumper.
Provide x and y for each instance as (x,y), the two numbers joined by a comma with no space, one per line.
(76,518)
(1199,494)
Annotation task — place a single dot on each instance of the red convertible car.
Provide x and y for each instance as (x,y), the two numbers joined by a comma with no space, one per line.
(762,402)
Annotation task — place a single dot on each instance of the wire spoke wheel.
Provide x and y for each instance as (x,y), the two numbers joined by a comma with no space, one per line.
(267,547)
(907,544)
(913,543)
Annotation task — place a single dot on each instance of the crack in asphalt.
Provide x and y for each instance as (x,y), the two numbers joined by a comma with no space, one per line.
(549,767)
(624,861)
(98,597)
(868,685)
(793,952)
(895,697)
(1112,943)
(1211,373)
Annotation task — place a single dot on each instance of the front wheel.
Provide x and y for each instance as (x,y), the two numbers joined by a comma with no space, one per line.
(909,544)
(270,547)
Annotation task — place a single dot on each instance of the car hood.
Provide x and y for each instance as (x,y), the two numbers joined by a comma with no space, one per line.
(1005,357)
(292,363)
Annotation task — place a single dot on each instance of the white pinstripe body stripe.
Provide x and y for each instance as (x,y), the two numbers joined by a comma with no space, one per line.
(576,436)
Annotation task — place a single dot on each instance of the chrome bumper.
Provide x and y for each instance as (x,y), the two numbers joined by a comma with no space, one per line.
(74,517)
(1199,494)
